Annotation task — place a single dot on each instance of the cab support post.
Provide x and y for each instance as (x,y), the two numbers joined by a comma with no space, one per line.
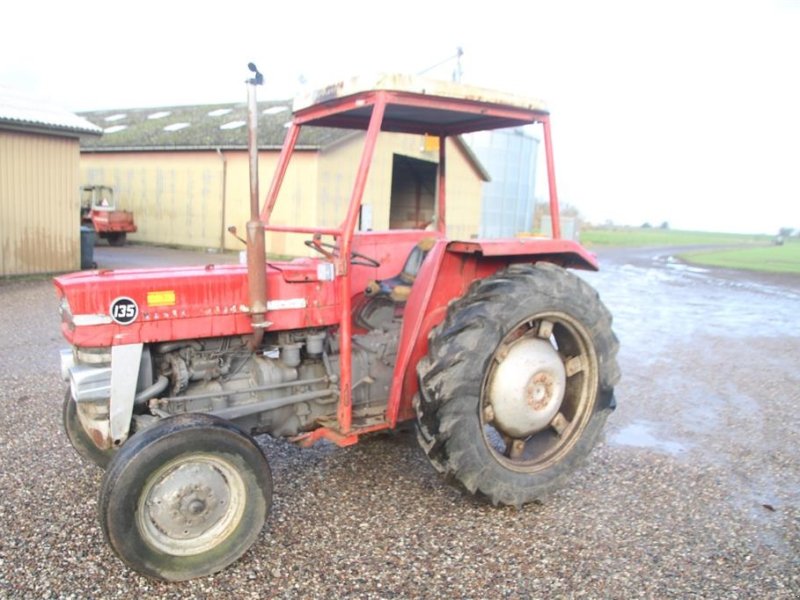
(555,217)
(344,413)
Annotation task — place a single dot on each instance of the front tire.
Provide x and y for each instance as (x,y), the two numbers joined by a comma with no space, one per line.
(78,437)
(517,383)
(185,498)
(117,239)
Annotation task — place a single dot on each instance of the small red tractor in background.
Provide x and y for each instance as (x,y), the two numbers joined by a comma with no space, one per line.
(99,210)
(505,359)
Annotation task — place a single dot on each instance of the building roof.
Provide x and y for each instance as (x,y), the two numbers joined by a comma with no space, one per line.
(212,126)
(22,111)
(202,127)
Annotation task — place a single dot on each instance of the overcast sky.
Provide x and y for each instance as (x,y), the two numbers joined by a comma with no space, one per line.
(686,112)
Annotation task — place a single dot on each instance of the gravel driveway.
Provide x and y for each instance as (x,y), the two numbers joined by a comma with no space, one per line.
(695,493)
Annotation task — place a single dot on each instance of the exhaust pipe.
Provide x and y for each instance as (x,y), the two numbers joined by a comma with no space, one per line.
(256,244)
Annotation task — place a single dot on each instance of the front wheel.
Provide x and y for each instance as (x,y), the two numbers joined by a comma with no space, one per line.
(185,498)
(117,238)
(78,437)
(517,383)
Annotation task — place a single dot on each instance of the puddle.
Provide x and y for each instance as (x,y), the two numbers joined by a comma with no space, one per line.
(678,266)
(654,297)
(640,435)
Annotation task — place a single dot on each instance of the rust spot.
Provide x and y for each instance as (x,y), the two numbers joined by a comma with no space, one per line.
(98,439)
(539,390)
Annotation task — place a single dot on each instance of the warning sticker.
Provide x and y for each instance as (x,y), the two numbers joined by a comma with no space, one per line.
(162,298)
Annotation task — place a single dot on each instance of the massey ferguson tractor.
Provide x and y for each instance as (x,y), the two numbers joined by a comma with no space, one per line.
(505,360)
(99,210)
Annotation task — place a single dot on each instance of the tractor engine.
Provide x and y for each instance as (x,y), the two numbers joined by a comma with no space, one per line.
(283,390)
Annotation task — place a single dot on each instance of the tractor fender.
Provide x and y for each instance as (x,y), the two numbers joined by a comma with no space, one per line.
(445,275)
(565,253)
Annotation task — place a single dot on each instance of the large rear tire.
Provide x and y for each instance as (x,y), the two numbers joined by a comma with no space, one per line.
(517,383)
(185,498)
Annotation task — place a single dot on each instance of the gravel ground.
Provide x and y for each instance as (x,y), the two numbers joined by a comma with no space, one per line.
(695,493)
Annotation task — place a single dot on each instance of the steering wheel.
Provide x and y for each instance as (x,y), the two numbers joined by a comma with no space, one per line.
(356,258)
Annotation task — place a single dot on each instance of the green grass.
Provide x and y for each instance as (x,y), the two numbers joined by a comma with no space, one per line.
(742,251)
(638,237)
(769,259)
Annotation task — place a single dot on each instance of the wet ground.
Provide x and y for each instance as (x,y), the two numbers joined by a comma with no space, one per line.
(711,364)
(696,492)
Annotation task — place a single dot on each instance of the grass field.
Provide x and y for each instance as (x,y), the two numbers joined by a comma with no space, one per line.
(741,251)
(638,237)
(770,259)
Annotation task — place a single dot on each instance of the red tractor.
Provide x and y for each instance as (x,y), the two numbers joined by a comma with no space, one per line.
(99,210)
(505,360)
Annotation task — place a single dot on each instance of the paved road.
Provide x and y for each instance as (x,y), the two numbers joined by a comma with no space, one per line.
(694,494)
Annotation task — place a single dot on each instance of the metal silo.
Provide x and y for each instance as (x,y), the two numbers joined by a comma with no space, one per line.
(509,156)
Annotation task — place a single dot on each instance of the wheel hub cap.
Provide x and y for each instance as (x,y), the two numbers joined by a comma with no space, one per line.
(527,387)
(192,505)
(188,500)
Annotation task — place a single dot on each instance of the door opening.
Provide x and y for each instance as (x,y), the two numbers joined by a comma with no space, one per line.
(413,201)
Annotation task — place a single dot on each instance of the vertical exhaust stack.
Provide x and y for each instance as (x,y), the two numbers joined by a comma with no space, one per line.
(256,245)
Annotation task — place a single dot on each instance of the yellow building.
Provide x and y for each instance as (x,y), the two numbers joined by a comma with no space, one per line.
(39,181)
(183,171)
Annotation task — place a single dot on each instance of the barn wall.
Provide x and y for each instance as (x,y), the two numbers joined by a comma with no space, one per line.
(296,205)
(337,171)
(177,197)
(39,204)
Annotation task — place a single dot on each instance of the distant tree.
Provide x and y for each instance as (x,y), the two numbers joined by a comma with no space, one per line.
(646,225)
(664,225)
(786,232)
(566,211)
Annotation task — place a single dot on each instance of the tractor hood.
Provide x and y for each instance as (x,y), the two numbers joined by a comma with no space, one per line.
(107,308)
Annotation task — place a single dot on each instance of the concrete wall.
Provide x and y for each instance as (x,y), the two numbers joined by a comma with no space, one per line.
(39,204)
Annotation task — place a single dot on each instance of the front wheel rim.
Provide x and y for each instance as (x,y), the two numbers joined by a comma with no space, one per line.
(191,505)
(562,414)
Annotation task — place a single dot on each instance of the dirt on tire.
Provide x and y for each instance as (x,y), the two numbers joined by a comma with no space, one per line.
(461,350)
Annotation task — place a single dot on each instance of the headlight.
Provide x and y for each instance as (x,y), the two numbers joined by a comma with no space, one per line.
(65,312)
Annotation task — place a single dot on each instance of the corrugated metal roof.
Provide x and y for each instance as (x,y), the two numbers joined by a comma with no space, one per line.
(206,126)
(23,111)
(211,126)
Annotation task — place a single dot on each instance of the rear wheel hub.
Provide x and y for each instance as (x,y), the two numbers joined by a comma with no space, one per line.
(527,387)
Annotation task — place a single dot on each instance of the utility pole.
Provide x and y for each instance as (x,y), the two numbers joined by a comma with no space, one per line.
(458,72)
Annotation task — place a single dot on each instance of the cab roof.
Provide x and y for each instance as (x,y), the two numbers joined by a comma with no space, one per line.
(416,105)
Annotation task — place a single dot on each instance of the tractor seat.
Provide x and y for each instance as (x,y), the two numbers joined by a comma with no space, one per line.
(398,288)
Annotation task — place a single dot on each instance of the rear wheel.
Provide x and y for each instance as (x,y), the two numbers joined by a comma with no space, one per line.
(117,238)
(78,437)
(517,383)
(185,498)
